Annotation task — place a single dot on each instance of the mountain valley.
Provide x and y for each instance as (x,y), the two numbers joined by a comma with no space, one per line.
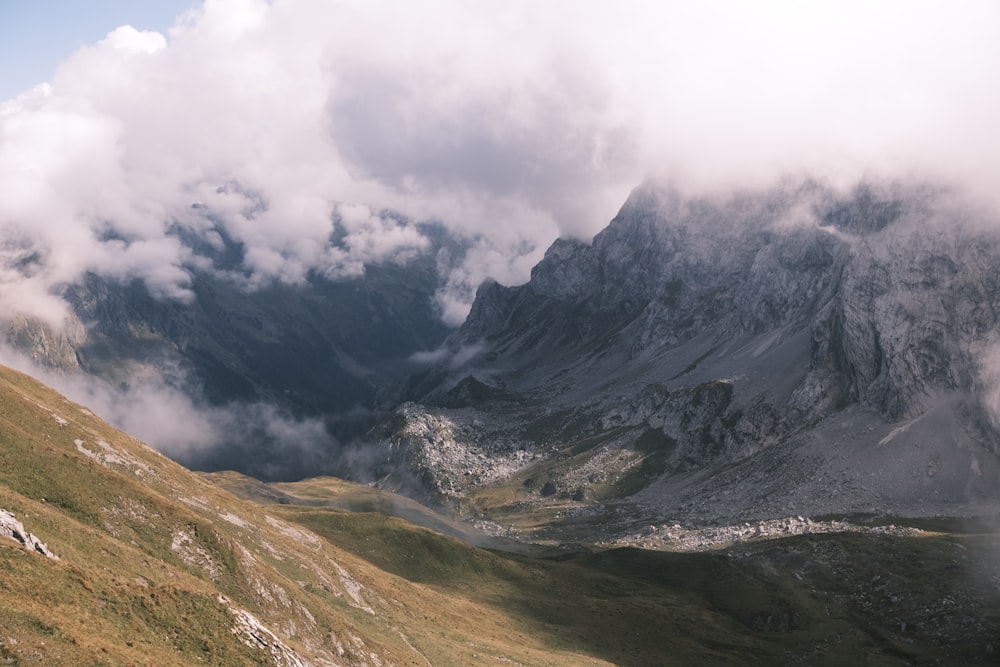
(146,563)
(750,429)
(792,351)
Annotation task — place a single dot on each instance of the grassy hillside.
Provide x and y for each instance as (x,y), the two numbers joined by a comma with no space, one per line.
(160,566)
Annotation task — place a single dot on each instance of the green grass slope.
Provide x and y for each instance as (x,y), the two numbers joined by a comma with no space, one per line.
(160,566)
(822,599)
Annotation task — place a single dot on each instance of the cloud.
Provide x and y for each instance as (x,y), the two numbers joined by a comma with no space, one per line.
(163,407)
(292,125)
(367,237)
(314,134)
(127,39)
(455,358)
(508,261)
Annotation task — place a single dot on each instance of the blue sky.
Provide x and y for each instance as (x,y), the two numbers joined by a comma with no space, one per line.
(36,35)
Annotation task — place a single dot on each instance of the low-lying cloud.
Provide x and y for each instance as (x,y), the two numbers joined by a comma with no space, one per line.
(511,123)
(314,135)
(164,407)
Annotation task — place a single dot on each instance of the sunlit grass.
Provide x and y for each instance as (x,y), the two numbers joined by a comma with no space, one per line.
(152,558)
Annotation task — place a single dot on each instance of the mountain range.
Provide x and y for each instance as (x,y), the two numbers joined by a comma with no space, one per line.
(114,555)
(755,427)
(792,350)
(317,350)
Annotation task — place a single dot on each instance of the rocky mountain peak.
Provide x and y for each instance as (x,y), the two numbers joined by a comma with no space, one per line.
(883,279)
(804,302)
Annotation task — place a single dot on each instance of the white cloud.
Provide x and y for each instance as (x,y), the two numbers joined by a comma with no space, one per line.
(506,260)
(510,122)
(129,40)
(369,237)
(161,407)
(455,358)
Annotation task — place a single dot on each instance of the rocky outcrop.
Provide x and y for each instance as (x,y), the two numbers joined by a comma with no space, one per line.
(736,325)
(46,345)
(12,528)
(438,457)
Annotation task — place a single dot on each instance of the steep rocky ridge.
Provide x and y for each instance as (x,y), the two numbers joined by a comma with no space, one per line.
(798,348)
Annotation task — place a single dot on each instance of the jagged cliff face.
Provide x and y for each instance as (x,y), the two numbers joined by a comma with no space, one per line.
(792,348)
(46,345)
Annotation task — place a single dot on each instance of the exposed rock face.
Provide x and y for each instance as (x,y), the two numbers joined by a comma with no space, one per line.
(796,346)
(46,345)
(14,529)
(448,453)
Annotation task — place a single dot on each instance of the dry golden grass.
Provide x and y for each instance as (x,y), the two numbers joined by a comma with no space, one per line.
(154,560)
